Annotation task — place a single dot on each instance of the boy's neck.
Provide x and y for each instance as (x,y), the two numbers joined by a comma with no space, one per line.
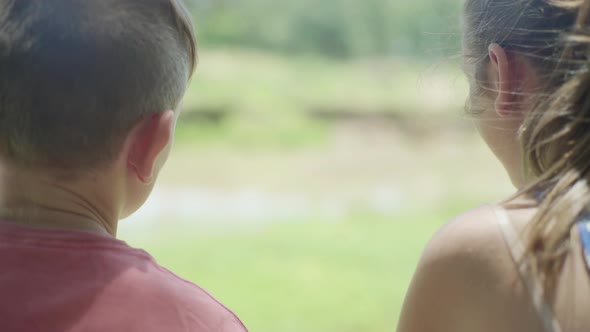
(38,200)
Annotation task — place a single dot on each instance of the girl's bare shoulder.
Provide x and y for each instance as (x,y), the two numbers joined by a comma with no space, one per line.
(467,280)
(476,238)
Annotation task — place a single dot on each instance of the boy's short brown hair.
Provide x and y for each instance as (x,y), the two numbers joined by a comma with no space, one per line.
(76,75)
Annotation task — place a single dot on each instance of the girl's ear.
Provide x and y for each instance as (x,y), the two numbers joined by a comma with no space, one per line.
(505,78)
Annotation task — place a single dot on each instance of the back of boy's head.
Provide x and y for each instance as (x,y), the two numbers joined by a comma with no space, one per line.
(77,75)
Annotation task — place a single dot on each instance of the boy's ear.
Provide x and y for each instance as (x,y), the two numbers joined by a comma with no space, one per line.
(505,77)
(149,145)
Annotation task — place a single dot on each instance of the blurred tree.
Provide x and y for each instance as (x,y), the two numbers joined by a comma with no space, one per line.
(336,28)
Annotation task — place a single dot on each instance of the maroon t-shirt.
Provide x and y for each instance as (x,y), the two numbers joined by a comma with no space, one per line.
(66,281)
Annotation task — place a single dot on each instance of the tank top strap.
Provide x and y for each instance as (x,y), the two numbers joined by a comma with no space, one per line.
(533,285)
(584,229)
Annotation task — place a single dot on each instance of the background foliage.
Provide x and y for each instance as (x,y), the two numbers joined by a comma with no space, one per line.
(321,145)
(334,28)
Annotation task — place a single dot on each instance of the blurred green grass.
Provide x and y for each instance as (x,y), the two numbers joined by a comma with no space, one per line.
(252,99)
(275,132)
(255,82)
(303,275)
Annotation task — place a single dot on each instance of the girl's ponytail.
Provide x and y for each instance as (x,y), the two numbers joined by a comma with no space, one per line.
(556,142)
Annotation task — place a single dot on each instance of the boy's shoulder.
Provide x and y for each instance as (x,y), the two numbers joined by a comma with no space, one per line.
(164,299)
(71,281)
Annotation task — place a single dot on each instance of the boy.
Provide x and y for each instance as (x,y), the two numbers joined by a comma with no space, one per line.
(89,96)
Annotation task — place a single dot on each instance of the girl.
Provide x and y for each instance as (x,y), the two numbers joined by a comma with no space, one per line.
(521,265)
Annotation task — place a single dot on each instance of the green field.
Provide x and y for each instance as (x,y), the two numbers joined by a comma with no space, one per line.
(255,82)
(303,275)
(315,273)
(252,99)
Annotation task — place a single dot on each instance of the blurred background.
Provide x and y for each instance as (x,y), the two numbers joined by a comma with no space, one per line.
(322,144)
